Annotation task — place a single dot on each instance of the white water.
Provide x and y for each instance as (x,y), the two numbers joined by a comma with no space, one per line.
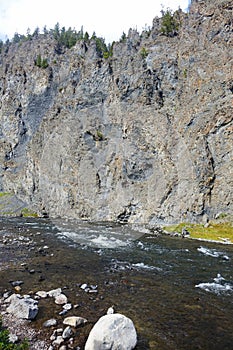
(102,236)
(213,252)
(218,286)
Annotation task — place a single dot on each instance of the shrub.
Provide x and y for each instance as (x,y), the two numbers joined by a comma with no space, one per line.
(169,24)
(144,53)
(41,62)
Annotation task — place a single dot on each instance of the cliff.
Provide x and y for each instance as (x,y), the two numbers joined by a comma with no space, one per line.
(144,135)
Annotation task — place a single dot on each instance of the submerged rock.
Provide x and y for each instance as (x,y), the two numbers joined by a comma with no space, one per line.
(112,332)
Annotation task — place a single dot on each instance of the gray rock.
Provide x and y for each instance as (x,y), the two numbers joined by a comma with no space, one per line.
(112,332)
(22,307)
(58,341)
(67,306)
(67,333)
(50,323)
(17,283)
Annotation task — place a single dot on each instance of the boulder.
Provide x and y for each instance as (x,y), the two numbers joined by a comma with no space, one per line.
(22,306)
(112,332)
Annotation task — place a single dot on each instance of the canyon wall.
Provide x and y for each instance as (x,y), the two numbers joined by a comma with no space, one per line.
(142,136)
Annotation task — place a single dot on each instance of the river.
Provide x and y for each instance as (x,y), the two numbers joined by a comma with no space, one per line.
(178,292)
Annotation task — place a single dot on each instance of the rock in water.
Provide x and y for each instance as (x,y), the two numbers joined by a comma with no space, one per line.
(22,307)
(112,332)
(74,321)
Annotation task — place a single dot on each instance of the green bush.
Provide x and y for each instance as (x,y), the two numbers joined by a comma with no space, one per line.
(41,62)
(169,24)
(144,53)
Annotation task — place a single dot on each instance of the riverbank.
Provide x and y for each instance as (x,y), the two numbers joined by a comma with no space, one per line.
(219,230)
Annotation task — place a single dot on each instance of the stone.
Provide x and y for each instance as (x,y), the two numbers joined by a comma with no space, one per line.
(22,307)
(63,347)
(67,333)
(112,332)
(110,310)
(55,292)
(50,323)
(42,294)
(74,321)
(17,283)
(61,299)
(67,306)
(84,286)
(58,341)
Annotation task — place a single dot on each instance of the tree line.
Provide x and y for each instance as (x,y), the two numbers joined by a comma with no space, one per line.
(170,23)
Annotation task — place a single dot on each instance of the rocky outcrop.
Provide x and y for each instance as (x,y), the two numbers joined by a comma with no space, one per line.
(142,136)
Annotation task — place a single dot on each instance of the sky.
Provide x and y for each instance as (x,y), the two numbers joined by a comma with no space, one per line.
(108,19)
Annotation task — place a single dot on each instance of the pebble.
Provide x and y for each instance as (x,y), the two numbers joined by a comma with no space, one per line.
(83,286)
(74,321)
(16,283)
(67,333)
(110,310)
(67,306)
(54,292)
(63,347)
(58,341)
(42,294)
(63,312)
(61,299)
(50,323)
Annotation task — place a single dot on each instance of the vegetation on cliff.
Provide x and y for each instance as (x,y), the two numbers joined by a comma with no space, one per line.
(67,38)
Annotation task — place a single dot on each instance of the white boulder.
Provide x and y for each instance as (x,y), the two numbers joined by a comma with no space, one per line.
(112,332)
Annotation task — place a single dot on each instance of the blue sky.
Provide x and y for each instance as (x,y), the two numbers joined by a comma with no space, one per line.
(107,18)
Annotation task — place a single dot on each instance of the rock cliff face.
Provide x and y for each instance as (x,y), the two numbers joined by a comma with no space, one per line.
(143,136)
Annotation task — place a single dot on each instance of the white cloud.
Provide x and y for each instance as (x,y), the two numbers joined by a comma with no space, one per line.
(107,18)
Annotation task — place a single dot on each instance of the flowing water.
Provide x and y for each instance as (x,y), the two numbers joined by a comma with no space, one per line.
(178,292)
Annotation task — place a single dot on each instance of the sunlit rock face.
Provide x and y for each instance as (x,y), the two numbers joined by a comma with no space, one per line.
(142,136)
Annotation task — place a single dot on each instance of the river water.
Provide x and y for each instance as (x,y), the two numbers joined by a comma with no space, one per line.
(178,292)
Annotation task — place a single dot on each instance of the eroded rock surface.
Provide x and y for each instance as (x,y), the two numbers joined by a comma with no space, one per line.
(135,137)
